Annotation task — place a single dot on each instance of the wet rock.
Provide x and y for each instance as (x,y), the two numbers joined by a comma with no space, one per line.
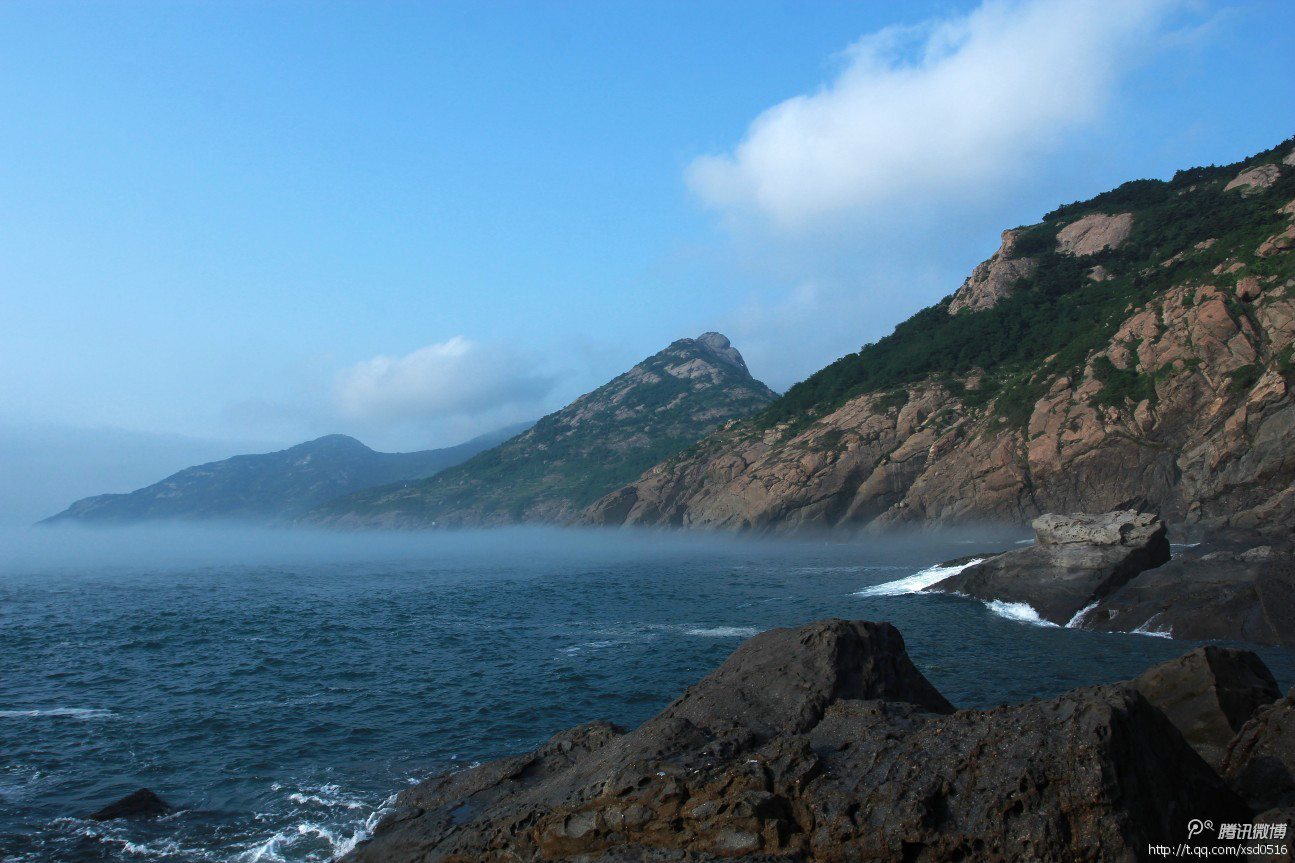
(1241,589)
(1209,694)
(1076,560)
(782,680)
(824,743)
(138,804)
(1260,762)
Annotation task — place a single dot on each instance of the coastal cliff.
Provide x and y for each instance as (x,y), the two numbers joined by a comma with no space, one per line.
(1134,349)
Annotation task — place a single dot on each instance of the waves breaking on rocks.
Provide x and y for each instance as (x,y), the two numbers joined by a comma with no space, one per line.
(278,727)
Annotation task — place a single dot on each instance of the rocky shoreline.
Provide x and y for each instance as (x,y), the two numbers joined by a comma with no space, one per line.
(1113,572)
(824,742)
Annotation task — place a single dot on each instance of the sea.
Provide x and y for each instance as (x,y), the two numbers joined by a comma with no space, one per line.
(278,688)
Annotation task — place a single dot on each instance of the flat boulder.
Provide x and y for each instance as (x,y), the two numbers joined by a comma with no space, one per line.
(1209,694)
(138,804)
(1076,560)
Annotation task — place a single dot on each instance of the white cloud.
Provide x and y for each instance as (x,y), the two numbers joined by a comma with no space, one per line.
(455,378)
(932,112)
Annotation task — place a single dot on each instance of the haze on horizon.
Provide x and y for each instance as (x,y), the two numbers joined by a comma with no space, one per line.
(237,226)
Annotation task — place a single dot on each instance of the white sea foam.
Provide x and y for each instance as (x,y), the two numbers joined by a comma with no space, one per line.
(1145,629)
(588,645)
(347,845)
(1020,611)
(916,582)
(74,712)
(328,802)
(724,632)
(1077,621)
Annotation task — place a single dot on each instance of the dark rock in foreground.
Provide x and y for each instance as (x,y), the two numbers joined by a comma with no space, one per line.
(1076,560)
(1242,588)
(825,743)
(138,804)
(1260,764)
(1209,694)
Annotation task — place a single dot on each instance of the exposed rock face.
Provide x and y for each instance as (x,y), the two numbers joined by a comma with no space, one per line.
(719,345)
(1230,589)
(993,279)
(1075,561)
(570,458)
(138,804)
(1130,528)
(1260,763)
(1093,233)
(790,751)
(1209,694)
(1259,177)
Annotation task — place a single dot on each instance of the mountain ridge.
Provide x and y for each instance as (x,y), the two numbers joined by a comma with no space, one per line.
(573,456)
(269,487)
(1132,348)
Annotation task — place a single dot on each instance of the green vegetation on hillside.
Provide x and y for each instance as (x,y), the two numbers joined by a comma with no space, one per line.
(1059,310)
(575,456)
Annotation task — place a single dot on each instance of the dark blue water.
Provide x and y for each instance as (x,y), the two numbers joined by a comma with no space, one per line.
(277,689)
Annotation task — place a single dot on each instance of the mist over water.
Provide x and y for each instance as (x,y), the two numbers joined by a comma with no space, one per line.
(277,687)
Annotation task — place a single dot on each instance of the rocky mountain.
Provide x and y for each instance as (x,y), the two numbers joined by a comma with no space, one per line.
(574,456)
(269,487)
(1130,350)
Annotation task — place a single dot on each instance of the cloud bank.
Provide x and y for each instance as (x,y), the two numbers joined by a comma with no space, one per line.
(455,378)
(933,111)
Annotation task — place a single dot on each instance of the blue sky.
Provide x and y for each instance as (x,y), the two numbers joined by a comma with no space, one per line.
(415,222)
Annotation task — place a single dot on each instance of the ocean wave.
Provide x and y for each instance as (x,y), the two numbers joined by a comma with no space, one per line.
(916,582)
(724,632)
(1018,611)
(1145,629)
(327,796)
(1077,622)
(73,712)
(118,834)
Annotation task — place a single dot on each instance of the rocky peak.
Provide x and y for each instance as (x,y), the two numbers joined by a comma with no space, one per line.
(718,345)
(575,455)
(993,279)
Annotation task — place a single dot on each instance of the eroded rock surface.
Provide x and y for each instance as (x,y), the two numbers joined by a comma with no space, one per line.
(1260,763)
(824,743)
(1238,587)
(1258,177)
(1209,695)
(1095,232)
(1076,560)
(993,279)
